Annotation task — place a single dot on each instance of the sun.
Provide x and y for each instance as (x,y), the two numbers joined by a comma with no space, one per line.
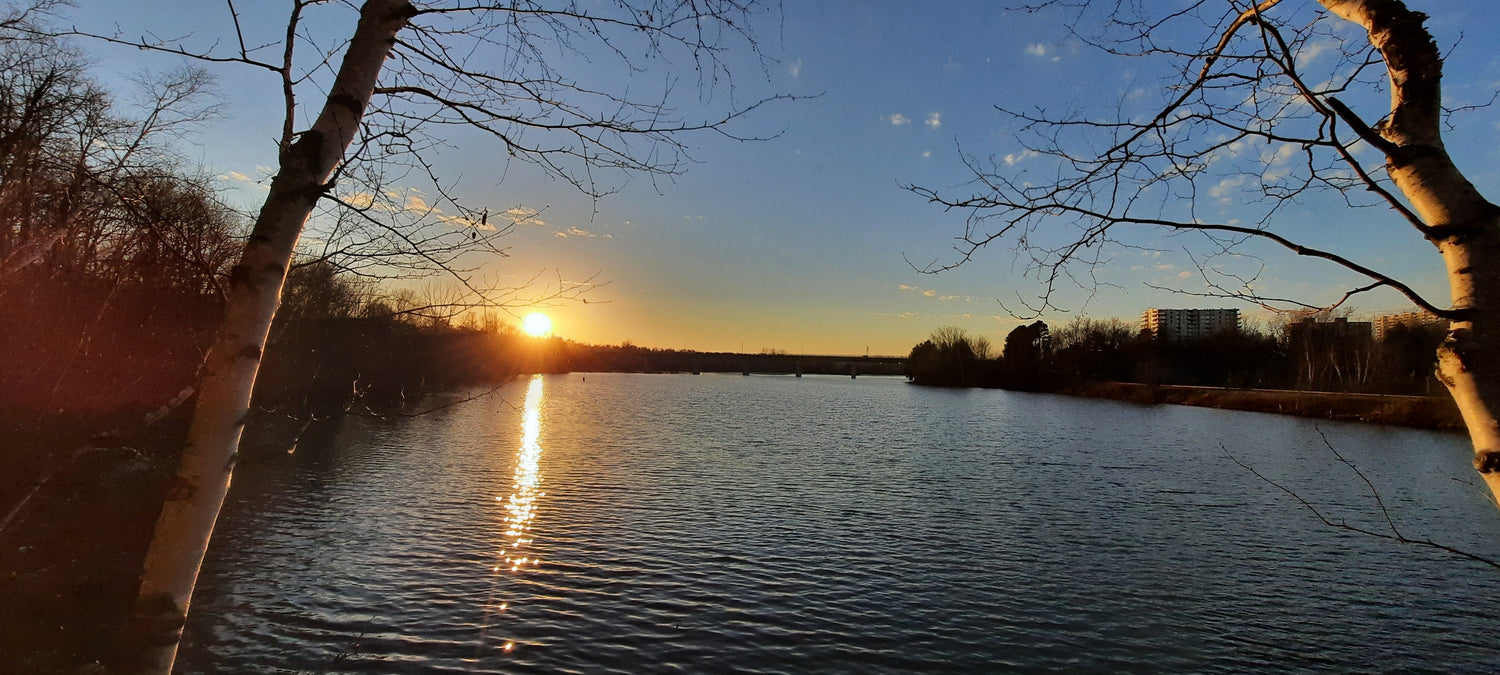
(536,324)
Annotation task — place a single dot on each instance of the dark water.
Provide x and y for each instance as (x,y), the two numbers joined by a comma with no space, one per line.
(640,523)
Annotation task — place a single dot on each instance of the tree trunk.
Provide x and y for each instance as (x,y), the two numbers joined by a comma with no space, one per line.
(1463,225)
(196,492)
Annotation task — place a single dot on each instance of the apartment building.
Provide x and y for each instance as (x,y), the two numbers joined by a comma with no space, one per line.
(1182,325)
(1389,321)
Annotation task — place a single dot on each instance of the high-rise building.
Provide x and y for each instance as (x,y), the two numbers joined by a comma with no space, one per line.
(1182,325)
(1340,329)
(1389,321)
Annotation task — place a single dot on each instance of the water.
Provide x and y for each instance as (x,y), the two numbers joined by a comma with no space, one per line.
(634,523)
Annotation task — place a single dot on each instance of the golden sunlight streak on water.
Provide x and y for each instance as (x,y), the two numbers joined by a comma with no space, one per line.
(521,505)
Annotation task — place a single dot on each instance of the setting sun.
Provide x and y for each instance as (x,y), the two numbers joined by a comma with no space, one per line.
(537,324)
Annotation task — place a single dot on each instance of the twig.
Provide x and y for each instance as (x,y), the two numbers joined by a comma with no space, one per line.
(1395,534)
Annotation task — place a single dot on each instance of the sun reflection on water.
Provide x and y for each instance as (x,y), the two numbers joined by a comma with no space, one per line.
(520,506)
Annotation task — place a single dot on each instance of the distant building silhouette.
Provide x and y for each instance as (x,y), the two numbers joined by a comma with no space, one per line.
(1183,325)
(1410,319)
(1339,329)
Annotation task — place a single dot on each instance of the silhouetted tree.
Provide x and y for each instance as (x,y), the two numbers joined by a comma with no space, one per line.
(1247,82)
(1408,357)
(1093,349)
(951,358)
(1023,359)
(482,65)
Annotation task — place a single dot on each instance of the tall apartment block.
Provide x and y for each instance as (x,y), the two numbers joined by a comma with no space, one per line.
(1389,321)
(1182,325)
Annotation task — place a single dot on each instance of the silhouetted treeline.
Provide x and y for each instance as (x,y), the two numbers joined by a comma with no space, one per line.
(562,356)
(1306,355)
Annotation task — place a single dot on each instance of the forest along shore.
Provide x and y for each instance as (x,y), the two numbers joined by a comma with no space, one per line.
(1422,412)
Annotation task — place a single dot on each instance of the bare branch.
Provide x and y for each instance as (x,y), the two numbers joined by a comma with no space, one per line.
(1394,534)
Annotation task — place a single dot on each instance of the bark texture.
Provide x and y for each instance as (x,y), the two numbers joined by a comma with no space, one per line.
(197,491)
(1464,226)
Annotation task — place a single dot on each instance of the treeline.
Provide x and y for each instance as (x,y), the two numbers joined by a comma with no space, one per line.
(114,256)
(566,356)
(1308,356)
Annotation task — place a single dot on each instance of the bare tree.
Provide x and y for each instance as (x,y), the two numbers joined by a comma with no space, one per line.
(409,71)
(1248,109)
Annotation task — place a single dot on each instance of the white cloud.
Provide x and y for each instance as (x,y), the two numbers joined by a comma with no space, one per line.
(926,154)
(520,215)
(929,293)
(242,178)
(934,120)
(794,68)
(360,200)
(898,119)
(579,233)
(1011,158)
(1224,187)
(415,202)
(1184,274)
(461,221)
(1036,49)
(1310,51)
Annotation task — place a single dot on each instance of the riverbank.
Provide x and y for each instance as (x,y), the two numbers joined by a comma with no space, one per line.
(1421,412)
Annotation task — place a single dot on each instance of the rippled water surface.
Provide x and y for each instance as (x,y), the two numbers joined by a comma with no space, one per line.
(639,523)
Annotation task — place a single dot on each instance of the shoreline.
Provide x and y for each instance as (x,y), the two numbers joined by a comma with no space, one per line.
(1420,412)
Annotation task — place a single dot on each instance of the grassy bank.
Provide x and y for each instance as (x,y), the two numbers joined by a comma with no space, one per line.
(1423,412)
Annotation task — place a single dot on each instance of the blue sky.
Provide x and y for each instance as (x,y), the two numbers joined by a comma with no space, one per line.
(801,242)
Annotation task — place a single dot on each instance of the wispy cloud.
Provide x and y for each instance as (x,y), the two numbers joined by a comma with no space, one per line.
(926,154)
(1225,187)
(409,200)
(930,293)
(934,120)
(360,200)
(1011,158)
(242,178)
(416,201)
(1036,49)
(898,119)
(794,68)
(462,221)
(520,215)
(1312,50)
(579,233)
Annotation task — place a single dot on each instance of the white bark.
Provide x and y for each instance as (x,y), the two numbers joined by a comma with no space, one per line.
(1463,224)
(197,490)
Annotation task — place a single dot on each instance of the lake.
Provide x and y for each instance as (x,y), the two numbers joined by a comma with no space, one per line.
(629,523)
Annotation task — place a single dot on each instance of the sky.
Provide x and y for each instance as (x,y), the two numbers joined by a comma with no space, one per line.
(806,242)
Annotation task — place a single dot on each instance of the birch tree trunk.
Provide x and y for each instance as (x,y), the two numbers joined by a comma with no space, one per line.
(197,491)
(1463,225)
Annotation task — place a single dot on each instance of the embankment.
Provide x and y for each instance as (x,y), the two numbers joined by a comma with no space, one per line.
(1423,412)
